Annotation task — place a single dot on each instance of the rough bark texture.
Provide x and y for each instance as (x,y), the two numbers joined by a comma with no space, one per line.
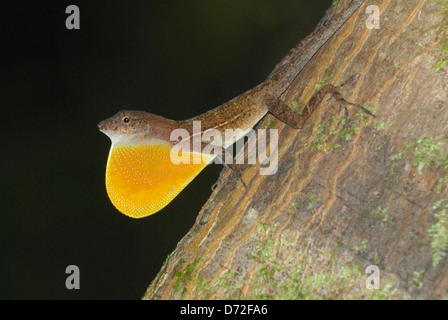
(351,190)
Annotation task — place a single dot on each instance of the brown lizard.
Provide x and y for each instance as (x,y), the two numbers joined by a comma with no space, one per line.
(141,179)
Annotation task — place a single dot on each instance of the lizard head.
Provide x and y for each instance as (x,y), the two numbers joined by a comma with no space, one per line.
(136,127)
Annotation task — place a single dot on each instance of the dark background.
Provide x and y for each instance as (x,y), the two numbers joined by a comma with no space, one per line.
(173,58)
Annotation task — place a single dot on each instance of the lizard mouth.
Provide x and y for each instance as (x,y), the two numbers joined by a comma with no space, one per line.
(101,126)
(104,127)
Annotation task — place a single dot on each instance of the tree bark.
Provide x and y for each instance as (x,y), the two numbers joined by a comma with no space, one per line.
(351,190)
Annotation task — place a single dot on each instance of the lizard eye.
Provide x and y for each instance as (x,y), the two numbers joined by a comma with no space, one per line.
(126,119)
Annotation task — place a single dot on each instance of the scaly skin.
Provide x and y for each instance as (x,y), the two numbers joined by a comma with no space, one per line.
(141,179)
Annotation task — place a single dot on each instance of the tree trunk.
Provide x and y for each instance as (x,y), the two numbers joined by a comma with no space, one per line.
(352,190)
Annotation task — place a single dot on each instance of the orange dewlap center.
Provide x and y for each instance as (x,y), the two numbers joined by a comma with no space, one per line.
(142,179)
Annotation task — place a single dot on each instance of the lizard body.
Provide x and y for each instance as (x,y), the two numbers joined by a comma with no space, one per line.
(140,177)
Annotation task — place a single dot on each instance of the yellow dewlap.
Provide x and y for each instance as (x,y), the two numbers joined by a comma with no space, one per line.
(141,180)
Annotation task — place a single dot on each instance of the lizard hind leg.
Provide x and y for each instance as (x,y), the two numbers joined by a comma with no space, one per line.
(286,114)
(297,119)
(332,90)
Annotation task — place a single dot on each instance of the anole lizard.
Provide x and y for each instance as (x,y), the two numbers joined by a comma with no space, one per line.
(140,177)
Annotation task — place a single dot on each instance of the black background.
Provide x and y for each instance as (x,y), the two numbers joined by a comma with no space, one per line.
(172,58)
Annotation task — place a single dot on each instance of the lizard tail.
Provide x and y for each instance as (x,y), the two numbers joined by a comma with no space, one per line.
(289,68)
